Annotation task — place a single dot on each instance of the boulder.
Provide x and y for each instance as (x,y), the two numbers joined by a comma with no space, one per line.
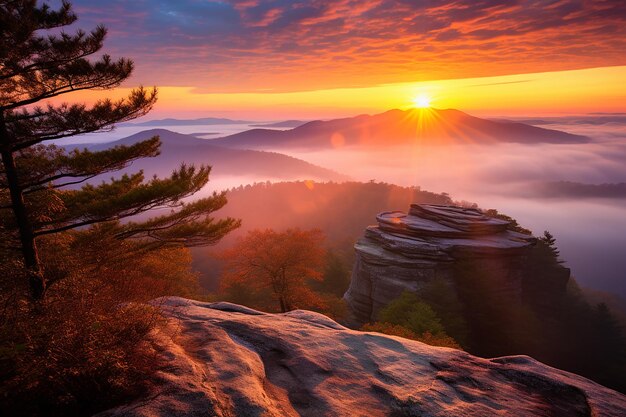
(222,360)
(406,251)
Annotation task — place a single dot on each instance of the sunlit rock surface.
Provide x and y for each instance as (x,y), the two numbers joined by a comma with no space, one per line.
(222,359)
(405,252)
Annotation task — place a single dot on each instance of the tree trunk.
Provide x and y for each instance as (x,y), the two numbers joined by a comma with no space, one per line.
(27,238)
(283,307)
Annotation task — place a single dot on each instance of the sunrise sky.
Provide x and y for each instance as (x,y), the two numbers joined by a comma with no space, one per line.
(279,59)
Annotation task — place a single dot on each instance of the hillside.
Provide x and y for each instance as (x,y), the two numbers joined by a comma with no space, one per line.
(569,189)
(225,360)
(285,123)
(177,148)
(340,210)
(190,122)
(398,127)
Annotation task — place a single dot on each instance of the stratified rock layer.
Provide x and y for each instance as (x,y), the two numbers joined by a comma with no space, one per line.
(405,252)
(226,360)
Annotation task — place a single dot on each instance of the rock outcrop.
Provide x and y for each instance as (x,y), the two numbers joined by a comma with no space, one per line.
(405,252)
(222,359)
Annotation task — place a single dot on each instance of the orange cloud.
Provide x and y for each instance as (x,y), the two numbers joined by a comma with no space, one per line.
(577,91)
(295,45)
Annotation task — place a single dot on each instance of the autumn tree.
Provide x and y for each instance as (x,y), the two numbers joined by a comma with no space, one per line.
(281,262)
(38,184)
(85,349)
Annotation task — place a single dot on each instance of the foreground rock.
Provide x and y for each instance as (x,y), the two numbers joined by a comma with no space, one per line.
(222,359)
(406,251)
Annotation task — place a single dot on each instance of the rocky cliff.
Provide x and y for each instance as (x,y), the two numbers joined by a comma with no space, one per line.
(406,251)
(222,359)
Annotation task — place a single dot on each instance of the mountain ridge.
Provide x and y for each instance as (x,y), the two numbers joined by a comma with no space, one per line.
(398,127)
(177,148)
(170,121)
(285,123)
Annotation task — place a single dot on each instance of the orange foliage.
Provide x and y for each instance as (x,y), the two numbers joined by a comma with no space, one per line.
(278,262)
(85,348)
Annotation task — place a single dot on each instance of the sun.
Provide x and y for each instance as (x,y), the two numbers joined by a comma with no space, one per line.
(422,101)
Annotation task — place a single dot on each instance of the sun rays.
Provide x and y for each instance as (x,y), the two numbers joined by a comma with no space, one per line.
(422,101)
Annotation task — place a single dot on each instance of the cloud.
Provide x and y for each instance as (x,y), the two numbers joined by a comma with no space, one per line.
(501,83)
(284,45)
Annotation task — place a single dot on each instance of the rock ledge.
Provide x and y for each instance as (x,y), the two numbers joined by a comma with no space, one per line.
(405,252)
(226,360)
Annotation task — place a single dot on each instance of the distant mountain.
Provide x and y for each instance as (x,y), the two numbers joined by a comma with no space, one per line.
(192,122)
(286,123)
(577,190)
(398,127)
(177,148)
(596,119)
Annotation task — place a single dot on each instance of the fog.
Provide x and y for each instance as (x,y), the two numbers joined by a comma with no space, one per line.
(591,233)
(127,129)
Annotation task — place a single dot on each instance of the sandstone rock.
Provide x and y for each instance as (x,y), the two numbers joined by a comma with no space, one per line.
(226,360)
(404,252)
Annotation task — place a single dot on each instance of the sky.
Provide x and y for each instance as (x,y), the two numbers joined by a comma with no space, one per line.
(319,59)
(304,59)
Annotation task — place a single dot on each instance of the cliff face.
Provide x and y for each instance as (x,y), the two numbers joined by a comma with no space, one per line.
(222,359)
(408,251)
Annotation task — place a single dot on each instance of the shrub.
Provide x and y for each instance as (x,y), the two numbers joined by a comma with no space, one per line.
(85,347)
(408,311)
(401,331)
(409,317)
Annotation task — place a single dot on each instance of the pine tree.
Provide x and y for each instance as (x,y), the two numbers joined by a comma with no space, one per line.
(38,182)
(550,242)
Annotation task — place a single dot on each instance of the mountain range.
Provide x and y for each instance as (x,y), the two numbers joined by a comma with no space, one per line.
(285,123)
(569,189)
(190,122)
(177,148)
(398,127)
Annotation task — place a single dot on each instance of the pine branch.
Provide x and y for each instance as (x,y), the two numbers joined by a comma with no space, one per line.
(190,226)
(65,121)
(57,186)
(124,197)
(83,164)
(35,68)
(55,51)
(78,75)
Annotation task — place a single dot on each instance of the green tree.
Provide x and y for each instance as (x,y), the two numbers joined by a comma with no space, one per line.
(497,324)
(549,241)
(410,312)
(442,297)
(336,277)
(514,225)
(611,346)
(546,279)
(401,331)
(409,317)
(37,65)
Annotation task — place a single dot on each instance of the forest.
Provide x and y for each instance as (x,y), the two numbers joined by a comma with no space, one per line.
(574,330)
(84,265)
